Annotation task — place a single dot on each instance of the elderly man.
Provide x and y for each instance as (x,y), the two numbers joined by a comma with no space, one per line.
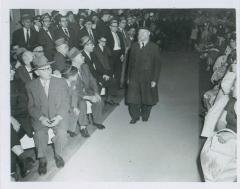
(143,74)
(26,36)
(47,37)
(48,107)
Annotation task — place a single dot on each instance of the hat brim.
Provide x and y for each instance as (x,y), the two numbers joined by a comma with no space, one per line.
(36,68)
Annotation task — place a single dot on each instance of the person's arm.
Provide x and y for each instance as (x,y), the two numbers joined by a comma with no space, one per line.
(156,65)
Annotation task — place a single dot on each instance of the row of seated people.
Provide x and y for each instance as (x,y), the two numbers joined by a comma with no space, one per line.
(80,87)
(220,102)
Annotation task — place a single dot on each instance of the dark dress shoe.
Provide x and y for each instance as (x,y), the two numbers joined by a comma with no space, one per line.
(144,119)
(59,161)
(84,133)
(133,121)
(72,134)
(99,126)
(25,165)
(42,169)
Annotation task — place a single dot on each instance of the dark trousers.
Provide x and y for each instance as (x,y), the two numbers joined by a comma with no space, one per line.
(117,66)
(137,110)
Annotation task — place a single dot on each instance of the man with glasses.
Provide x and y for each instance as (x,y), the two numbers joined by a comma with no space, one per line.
(48,107)
(104,72)
(47,37)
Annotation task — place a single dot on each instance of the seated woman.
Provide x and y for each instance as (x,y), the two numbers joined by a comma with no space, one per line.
(78,109)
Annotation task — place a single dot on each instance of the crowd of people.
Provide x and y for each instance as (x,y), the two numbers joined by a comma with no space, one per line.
(216,43)
(65,68)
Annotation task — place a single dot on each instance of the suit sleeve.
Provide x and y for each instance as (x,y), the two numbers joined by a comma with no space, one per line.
(93,81)
(15,38)
(33,110)
(156,65)
(64,105)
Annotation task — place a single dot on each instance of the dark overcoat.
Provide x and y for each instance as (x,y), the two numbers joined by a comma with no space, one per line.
(144,67)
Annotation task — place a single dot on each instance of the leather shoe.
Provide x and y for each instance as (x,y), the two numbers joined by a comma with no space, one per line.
(72,134)
(42,169)
(84,132)
(99,126)
(144,119)
(59,161)
(133,121)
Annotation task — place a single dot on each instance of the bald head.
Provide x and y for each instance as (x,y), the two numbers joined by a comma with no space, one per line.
(143,35)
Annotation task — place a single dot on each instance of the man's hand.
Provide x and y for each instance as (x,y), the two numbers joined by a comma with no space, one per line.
(122,58)
(57,73)
(55,121)
(15,124)
(106,77)
(76,111)
(45,121)
(153,84)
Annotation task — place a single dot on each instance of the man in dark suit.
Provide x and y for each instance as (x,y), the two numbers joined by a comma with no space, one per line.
(48,107)
(103,71)
(66,32)
(116,45)
(143,74)
(25,37)
(88,31)
(46,37)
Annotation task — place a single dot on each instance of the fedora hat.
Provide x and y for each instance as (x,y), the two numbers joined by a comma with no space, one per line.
(40,62)
(73,52)
(84,40)
(60,41)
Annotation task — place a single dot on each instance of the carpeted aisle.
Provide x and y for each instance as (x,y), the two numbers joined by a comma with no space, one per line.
(163,149)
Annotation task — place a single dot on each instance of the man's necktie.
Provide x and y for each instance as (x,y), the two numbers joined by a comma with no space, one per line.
(91,36)
(142,45)
(46,88)
(28,38)
(49,33)
(66,32)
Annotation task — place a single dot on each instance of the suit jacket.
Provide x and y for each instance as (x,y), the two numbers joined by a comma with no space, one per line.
(102,29)
(60,62)
(72,40)
(23,75)
(83,32)
(47,42)
(86,83)
(102,61)
(144,67)
(57,102)
(91,65)
(18,38)
(110,42)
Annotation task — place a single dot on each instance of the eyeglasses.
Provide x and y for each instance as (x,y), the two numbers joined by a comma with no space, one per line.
(45,69)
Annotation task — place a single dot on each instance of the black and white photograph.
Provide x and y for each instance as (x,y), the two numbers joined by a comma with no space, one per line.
(115,93)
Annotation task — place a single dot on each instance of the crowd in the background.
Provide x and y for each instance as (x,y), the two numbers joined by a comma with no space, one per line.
(89,51)
(216,42)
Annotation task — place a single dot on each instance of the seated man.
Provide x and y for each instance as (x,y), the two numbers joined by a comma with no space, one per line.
(48,107)
(87,87)
(103,71)
(78,108)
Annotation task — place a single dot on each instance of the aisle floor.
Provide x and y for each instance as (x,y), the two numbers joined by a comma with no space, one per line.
(163,149)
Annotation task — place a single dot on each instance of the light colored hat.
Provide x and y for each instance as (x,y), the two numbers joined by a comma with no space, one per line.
(73,52)
(84,40)
(60,41)
(40,62)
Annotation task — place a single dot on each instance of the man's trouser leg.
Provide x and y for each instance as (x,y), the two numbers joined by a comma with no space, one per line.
(145,111)
(134,111)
